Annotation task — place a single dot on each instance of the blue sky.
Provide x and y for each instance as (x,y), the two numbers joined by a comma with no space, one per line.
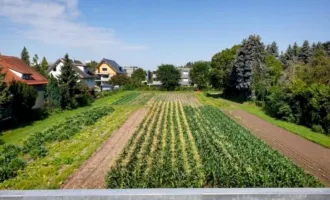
(147,33)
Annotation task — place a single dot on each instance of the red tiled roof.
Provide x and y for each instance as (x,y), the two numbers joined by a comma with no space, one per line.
(18,65)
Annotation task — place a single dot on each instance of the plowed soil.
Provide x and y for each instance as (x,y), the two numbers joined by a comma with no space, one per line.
(91,175)
(314,158)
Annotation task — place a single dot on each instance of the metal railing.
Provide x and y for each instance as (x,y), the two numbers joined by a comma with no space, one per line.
(172,194)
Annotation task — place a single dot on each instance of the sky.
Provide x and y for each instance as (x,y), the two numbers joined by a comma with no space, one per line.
(147,33)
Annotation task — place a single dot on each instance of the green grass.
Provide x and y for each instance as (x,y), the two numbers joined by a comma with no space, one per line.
(303,131)
(16,136)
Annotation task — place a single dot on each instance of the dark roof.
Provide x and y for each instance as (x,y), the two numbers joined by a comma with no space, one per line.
(86,73)
(117,68)
(18,65)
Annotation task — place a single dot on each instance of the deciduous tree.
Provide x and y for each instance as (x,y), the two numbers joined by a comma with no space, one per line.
(200,74)
(169,75)
(139,75)
(221,67)
(120,79)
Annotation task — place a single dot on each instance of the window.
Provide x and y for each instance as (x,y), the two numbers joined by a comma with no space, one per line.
(105,76)
(54,69)
(26,77)
(185,73)
(104,69)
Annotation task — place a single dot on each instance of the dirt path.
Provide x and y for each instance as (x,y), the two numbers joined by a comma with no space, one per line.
(314,158)
(91,175)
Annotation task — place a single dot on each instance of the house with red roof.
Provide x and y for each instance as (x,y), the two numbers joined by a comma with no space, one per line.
(17,69)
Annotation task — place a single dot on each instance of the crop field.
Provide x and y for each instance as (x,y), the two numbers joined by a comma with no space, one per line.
(182,143)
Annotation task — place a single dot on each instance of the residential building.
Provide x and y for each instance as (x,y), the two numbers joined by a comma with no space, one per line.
(130,69)
(85,75)
(185,78)
(105,70)
(16,69)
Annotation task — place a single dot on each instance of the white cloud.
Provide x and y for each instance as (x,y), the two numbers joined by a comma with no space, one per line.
(55,22)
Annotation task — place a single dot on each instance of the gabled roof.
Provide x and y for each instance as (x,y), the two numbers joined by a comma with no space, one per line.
(85,73)
(10,63)
(117,68)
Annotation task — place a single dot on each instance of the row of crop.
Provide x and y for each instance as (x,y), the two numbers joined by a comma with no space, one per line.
(233,157)
(163,155)
(126,98)
(11,156)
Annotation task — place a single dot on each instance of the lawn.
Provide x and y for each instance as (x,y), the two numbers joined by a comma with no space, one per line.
(17,135)
(303,131)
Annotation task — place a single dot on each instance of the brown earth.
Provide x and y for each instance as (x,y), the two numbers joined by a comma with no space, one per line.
(314,158)
(91,174)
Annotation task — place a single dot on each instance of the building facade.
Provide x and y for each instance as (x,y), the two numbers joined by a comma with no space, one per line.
(85,75)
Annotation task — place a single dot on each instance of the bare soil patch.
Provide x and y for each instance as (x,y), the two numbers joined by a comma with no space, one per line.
(313,158)
(91,175)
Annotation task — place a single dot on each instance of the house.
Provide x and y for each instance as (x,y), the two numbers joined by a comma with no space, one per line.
(105,70)
(185,78)
(130,69)
(85,75)
(17,69)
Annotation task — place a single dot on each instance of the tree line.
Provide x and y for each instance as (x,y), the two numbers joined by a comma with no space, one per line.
(293,85)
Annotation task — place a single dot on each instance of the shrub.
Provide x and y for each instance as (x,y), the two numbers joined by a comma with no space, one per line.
(24,98)
(317,128)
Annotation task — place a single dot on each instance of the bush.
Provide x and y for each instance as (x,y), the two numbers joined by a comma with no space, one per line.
(24,98)
(317,128)
(301,104)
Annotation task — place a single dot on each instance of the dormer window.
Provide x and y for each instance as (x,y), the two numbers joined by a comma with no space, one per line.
(26,76)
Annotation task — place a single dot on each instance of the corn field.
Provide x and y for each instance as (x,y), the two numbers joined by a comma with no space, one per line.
(182,143)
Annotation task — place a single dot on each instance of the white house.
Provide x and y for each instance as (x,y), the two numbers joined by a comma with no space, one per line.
(85,75)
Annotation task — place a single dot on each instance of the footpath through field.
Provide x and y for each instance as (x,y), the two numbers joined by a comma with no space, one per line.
(92,173)
(314,158)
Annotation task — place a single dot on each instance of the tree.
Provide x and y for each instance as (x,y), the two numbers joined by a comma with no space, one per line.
(200,74)
(189,64)
(24,98)
(35,63)
(120,79)
(44,66)
(248,69)
(289,54)
(68,84)
(305,52)
(139,75)
(275,68)
(221,67)
(53,93)
(5,96)
(295,50)
(25,56)
(273,49)
(326,47)
(169,75)
(92,65)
